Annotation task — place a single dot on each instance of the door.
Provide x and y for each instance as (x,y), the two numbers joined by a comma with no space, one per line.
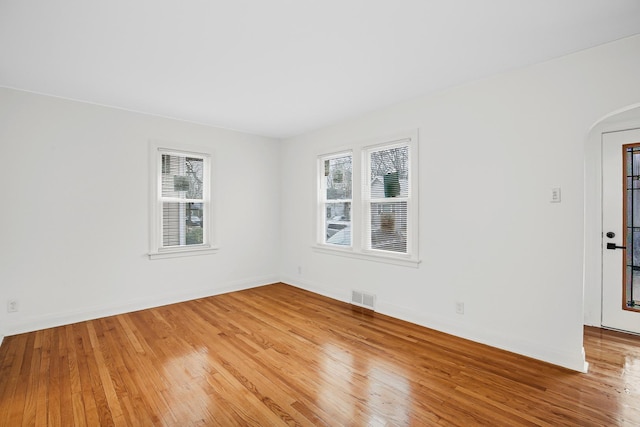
(621,230)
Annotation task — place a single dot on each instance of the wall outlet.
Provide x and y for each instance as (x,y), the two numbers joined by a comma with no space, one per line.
(459,307)
(12,306)
(299,270)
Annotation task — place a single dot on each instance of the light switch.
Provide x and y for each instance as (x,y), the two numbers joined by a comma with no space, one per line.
(555,195)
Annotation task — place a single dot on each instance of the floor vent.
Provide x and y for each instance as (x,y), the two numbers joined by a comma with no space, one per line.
(363,300)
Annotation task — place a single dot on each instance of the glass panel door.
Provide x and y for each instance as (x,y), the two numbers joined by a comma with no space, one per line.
(631,289)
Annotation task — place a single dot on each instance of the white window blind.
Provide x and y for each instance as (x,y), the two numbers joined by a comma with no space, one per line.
(388,198)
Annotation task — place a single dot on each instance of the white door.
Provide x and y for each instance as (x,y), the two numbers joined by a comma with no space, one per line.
(621,230)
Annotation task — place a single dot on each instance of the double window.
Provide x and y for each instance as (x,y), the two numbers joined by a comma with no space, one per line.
(368,200)
(180,202)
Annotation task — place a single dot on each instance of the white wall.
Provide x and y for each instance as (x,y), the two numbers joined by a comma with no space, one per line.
(74,218)
(490,152)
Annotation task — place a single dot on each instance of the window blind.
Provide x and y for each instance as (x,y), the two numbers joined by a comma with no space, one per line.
(389,198)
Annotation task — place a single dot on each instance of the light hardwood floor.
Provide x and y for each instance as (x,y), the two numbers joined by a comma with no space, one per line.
(277,355)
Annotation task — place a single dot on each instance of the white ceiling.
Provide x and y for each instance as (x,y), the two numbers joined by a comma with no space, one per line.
(283,67)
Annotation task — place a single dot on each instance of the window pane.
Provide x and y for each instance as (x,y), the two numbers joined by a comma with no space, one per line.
(389,226)
(182,176)
(182,224)
(337,174)
(338,223)
(390,172)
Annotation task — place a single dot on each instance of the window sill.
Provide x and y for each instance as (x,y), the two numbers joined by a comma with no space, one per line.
(182,252)
(350,253)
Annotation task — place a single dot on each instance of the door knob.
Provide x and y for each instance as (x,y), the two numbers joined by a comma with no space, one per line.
(611,234)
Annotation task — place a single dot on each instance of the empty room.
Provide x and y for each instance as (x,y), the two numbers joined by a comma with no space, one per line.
(336,213)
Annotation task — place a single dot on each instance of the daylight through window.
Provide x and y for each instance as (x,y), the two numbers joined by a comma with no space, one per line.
(336,190)
(368,201)
(181,202)
(388,199)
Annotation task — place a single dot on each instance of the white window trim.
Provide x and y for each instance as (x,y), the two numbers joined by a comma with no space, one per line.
(360,198)
(156,251)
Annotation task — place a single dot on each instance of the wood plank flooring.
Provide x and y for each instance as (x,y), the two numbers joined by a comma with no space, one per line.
(280,356)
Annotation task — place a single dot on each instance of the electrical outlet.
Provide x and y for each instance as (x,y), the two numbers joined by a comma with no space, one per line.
(12,306)
(459,307)
(299,270)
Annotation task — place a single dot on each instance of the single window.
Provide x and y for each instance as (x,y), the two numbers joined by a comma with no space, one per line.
(388,203)
(181,202)
(336,186)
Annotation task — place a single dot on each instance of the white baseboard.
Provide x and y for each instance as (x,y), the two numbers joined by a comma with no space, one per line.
(514,344)
(35,323)
(339,296)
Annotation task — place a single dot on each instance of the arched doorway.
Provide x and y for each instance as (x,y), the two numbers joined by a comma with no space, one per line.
(624,119)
